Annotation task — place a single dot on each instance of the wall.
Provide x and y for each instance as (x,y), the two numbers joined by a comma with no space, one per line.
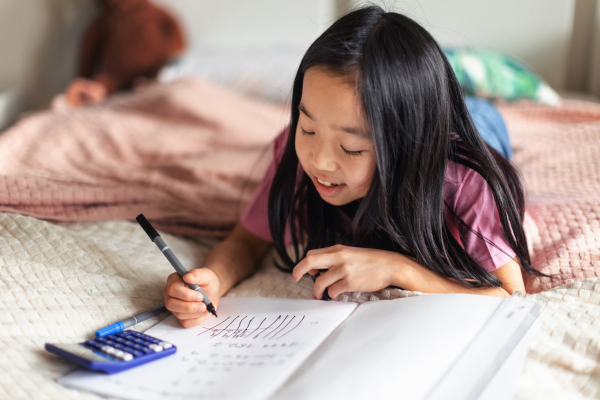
(39,41)
(536,31)
(239,22)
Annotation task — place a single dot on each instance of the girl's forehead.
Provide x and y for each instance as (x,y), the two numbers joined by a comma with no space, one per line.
(322,73)
(330,98)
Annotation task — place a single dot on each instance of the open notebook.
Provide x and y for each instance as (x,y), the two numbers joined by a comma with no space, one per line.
(431,346)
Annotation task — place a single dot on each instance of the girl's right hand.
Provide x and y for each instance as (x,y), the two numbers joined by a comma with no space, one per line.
(186,304)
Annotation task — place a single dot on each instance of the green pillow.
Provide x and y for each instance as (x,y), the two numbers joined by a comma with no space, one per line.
(496,76)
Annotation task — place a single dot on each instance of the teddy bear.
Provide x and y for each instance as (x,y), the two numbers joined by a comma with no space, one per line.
(130,41)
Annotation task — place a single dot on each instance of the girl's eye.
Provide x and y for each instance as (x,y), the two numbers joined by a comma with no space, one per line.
(352,153)
(306,133)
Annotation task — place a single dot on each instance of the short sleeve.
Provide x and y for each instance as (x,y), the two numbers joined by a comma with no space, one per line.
(469,196)
(255,217)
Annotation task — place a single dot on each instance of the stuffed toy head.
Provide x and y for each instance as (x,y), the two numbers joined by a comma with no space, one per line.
(130,40)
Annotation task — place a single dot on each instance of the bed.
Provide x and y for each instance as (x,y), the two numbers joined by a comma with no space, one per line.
(72,260)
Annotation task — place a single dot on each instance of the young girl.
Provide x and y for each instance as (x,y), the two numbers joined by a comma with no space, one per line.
(382,179)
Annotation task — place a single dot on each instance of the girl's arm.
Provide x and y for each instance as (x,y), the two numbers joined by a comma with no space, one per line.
(229,262)
(352,269)
(418,278)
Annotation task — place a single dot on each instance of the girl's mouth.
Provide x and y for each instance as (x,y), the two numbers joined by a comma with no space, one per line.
(328,184)
(327,189)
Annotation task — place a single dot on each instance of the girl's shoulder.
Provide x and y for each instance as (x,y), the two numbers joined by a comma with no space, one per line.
(469,197)
(463,183)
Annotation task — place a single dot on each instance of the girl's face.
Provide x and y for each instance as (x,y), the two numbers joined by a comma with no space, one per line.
(332,143)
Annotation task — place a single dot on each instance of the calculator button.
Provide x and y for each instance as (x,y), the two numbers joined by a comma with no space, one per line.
(165,345)
(119,346)
(139,341)
(108,350)
(128,343)
(110,342)
(127,357)
(92,343)
(156,348)
(119,354)
(102,340)
(122,333)
(120,340)
(136,353)
(138,347)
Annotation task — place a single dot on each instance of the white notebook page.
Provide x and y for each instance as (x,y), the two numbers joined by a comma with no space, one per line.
(246,353)
(393,349)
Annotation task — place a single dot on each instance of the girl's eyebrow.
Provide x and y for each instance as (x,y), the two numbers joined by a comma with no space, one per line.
(303,110)
(354,131)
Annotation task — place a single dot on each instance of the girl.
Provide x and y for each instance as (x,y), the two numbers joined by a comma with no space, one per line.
(381,180)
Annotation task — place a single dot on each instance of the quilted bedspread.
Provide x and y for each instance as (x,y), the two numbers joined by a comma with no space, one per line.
(60,281)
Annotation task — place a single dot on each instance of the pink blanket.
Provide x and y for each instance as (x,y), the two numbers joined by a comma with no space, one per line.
(557,150)
(188,155)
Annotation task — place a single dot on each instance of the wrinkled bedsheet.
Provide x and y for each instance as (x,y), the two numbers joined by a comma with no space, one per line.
(187,154)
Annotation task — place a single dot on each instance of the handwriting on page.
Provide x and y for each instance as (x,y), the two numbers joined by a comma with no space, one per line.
(239,342)
(252,329)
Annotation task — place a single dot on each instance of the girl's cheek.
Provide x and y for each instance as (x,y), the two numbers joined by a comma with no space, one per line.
(362,175)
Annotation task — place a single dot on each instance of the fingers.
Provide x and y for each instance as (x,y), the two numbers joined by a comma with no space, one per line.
(314,262)
(85,91)
(186,304)
(190,323)
(325,281)
(188,307)
(202,276)
(325,258)
(325,250)
(339,287)
(184,316)
(178,289)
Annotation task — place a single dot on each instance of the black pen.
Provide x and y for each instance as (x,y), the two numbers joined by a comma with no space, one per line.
(325,293)
(155,237)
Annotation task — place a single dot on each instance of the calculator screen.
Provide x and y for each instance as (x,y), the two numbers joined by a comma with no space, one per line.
(82,352)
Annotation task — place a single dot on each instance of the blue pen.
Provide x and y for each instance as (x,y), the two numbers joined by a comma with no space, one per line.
(136,319)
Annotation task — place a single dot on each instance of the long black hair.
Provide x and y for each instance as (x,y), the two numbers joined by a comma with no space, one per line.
(411,101)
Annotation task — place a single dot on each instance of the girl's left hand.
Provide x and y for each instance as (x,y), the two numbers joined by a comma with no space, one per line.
(351,269)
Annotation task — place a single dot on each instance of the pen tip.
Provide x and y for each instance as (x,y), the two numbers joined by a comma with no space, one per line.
(211,309)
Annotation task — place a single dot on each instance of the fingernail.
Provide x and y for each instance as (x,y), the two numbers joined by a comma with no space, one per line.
(293,278)
(198,297)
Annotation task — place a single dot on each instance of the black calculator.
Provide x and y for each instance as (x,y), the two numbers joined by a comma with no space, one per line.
(114,353)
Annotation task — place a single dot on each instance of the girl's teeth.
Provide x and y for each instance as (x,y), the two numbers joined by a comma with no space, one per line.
(328,184)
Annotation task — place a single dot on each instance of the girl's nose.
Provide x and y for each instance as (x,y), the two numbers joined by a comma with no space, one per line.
(322,158)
